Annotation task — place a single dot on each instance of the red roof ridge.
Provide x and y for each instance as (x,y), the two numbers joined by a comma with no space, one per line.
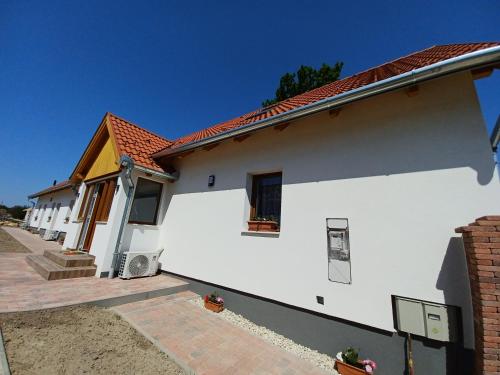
(138,126)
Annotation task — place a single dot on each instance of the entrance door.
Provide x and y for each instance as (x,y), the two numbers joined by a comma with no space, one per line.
(89,221)
(97,206)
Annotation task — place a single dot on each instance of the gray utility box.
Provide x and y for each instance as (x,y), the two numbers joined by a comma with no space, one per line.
(432,320)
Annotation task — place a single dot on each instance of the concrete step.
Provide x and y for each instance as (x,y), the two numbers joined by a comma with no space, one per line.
(50,270)
(77,260)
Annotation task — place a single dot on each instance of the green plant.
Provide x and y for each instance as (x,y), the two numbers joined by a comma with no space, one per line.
(350,356)
(214,297)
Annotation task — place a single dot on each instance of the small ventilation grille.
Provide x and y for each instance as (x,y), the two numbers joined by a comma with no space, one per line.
(138,265)
(122,264)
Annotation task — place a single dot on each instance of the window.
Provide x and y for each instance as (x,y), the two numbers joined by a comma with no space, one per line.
(83,205)
(146,201)
(266,198)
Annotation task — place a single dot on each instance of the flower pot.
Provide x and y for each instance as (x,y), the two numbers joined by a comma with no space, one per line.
(262,226)
(215,307)
(346,369)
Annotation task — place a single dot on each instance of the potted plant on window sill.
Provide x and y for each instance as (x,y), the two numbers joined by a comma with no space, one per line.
(348,363)
(214,302)
(259,224)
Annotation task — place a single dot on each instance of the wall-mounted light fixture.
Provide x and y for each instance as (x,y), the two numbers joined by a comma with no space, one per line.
(211,180)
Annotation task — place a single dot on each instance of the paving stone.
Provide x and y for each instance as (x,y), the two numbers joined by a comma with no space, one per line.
(207,344)
(22,289)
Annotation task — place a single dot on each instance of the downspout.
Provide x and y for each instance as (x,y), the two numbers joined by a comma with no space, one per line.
(126,162)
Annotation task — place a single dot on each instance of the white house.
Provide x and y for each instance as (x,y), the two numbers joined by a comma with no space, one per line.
(52,210)
(314,215)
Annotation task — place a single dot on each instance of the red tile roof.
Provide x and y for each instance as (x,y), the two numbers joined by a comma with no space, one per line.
(399,66)
(60,186)
(136,142)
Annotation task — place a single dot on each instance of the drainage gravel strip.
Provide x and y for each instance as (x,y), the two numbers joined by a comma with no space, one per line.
(319,359)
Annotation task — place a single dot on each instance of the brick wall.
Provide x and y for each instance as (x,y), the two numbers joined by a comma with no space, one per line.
(482,249)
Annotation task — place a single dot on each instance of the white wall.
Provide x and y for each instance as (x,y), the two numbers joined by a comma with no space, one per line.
(135,236)
(57,222)
(404,171)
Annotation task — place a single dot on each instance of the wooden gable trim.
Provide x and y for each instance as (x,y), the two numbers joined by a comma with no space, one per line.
(93,149)
(112,135)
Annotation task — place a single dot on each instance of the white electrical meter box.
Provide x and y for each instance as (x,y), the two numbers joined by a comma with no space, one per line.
(339,257)
(432,320)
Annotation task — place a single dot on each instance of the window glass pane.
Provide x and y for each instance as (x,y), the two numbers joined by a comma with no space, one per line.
(146,201)
(268,197)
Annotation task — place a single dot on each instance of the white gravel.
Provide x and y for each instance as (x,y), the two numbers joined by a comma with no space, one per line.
(319,359)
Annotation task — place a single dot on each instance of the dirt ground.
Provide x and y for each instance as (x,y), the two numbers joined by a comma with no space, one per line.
(9,244)
(79,340)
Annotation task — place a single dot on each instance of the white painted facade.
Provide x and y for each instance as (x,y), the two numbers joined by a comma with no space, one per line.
(135,236)
(405,171)
(53,210)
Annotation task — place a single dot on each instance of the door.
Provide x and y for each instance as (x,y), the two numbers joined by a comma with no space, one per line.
(89,221)
(97,204)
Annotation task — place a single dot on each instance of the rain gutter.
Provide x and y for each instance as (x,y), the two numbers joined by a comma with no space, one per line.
(471,60)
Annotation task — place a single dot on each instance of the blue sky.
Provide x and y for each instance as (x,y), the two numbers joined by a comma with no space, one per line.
(175,67)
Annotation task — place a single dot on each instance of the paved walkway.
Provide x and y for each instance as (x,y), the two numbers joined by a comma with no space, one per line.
(203,343)
(32,241)
(159,307)
(23,289)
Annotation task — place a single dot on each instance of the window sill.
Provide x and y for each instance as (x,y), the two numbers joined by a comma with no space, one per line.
(253,233)
(144,224)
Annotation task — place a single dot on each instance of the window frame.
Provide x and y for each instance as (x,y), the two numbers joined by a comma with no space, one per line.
(89,190)
(158,202)
(253,197)
(107,195)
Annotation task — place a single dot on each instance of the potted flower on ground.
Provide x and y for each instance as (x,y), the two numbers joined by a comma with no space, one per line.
(214,302)
(348,363)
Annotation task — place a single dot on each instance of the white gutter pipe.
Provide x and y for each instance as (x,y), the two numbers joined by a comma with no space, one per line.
(128,163)
(471,60)
(495,136)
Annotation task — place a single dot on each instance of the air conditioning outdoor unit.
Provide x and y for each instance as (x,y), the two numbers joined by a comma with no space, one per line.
(138,263)
(50,235)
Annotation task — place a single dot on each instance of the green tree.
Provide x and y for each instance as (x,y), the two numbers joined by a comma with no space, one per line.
(17,211)
(306,78)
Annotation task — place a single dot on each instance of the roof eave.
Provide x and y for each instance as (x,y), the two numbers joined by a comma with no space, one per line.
(50,191)
(464,62)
